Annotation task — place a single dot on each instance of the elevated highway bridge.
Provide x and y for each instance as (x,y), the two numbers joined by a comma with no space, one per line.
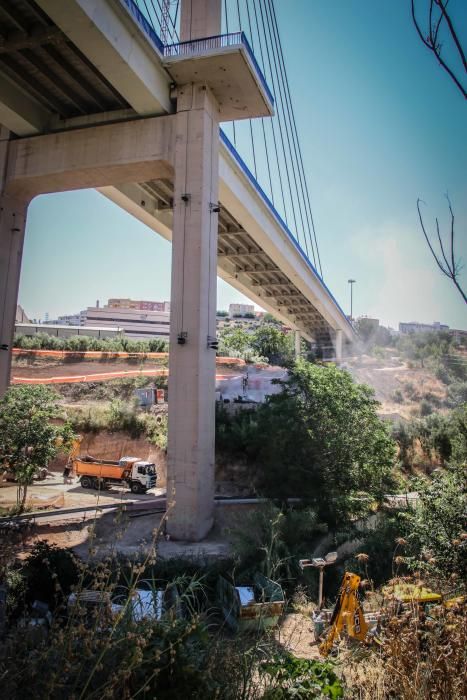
(91,97)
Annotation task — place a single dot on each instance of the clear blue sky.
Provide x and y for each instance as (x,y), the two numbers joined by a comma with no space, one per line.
(380,125)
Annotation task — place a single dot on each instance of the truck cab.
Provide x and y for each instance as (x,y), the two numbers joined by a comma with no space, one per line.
(144,473)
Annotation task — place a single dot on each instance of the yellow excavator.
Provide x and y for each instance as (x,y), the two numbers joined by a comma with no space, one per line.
(347,613)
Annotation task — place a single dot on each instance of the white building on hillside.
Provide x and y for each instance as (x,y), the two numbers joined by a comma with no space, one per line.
(137,322)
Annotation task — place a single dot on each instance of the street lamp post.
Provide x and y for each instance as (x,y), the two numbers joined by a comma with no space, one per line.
(320,564)
(351,282)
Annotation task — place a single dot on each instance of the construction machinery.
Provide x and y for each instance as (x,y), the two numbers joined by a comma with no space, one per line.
(133,472)
(348,614)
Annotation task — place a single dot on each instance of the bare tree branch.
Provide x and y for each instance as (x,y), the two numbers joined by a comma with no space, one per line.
(451,269)
(447,268)
(429,37)
(442,6)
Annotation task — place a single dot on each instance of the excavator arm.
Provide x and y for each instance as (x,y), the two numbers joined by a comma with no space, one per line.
(347,612)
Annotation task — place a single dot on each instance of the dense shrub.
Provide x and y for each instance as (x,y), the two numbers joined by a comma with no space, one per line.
(436,527)
(438,351)
(440,437)
(43,341)
(320,439)
(421,656)
(425,407)
(456,394)
(266,343)
(49,573)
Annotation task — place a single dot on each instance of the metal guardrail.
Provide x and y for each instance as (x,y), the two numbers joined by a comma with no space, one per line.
(140,19)
(198,47)
(195,47)
(233,151)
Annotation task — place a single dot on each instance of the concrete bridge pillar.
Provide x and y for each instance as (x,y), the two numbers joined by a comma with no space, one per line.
(192,362)
(12,225)
(298,343)
(200,19)
(338,345)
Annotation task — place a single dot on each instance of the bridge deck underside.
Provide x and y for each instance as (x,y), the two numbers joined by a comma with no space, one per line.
(38,57)
(239,254)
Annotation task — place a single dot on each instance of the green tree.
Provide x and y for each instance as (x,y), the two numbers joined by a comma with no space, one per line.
(320,439)
(236,339)
(269,318)
(269,341)
(29,438)
(459,436)
(435,527)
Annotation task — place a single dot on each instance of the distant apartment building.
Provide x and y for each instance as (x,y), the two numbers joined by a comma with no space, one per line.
(240,310)
(140,305)
(415,327)
(77,319)
(137,321)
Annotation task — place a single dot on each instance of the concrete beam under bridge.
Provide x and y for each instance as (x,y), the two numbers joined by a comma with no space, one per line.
(93,157)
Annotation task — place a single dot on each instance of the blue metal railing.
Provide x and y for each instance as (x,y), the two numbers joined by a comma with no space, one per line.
(140,19)
(233,151)
(197,47)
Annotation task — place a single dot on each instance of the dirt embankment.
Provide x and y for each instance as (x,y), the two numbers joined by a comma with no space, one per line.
(398,387)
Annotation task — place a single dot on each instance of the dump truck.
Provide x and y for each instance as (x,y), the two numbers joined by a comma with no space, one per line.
(133,472)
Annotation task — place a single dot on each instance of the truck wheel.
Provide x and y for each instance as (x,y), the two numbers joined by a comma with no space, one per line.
(95,484)
(136,487)
(86,482)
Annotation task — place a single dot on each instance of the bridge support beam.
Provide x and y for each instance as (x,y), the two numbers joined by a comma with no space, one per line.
(192,363)
(12,224)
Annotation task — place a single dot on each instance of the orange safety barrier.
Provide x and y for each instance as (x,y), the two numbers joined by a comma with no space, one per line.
(91,354)
(101,377)
(98,354)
